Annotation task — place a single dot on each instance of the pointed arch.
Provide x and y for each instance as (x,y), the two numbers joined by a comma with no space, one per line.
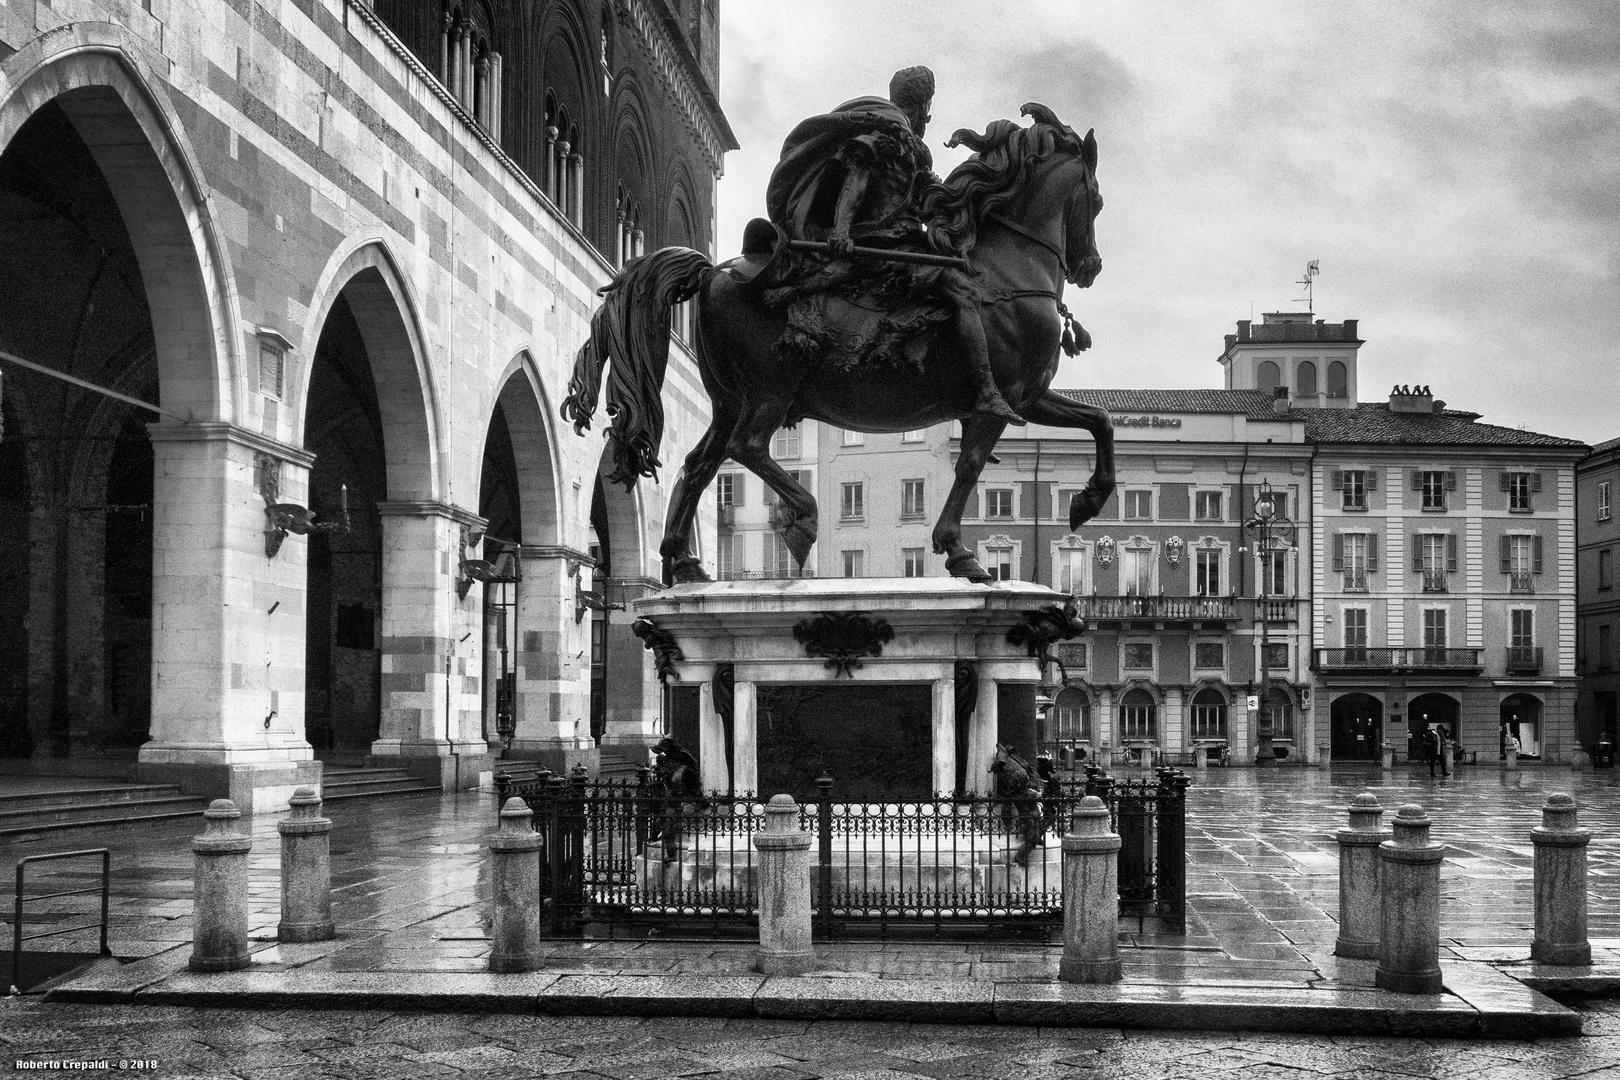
(521,396)
(94,72)
(367,275)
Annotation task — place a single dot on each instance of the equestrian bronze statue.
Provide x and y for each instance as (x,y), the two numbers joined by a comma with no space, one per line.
(873,301)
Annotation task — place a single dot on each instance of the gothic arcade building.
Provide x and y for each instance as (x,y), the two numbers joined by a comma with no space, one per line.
(345,250)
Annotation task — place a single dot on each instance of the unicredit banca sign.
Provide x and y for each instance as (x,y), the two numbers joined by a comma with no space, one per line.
(1145,421)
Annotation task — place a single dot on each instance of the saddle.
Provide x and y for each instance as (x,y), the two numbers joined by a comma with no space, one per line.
(843,316)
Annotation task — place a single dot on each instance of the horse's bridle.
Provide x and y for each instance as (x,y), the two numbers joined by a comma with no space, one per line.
(1008,223)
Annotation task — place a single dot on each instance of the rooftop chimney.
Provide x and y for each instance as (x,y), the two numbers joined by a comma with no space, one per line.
(1411,399)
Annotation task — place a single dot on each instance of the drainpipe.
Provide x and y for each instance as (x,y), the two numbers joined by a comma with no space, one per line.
(1035,573)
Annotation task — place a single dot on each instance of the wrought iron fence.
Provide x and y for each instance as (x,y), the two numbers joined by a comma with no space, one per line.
(628,853)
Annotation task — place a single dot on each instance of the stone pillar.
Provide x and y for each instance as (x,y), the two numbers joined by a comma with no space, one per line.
(1090,897)
(711,748)
(1560,884)
(552,664)
(745,736)
(1359,903)
(784,891)
(1409,887)
(1511,761)
(1387,756)
(944,756)
(227,621)
(634,694)
(1200,757)
(306,871)
(514,893)
(982,731)
(219,907)
(432,702)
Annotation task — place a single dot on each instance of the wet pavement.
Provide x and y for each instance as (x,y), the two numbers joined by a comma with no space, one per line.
(409,881)
(358,1045)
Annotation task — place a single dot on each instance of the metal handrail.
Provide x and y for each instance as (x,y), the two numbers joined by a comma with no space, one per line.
(17,937)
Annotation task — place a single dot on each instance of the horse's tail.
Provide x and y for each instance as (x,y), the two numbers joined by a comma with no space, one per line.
(631,329)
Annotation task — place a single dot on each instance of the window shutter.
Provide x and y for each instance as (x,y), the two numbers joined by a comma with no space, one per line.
(1535,556)
(739,488)
(1372,479)
(1417,552)
(1535,481)
(1451,553)
(1507,554)
(770,495)
(1373,540)
(1417,479)
(1338,479)
(1338,551)
(1502,481)
(1451,480)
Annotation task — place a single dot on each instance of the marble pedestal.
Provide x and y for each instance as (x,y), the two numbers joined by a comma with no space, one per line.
(764,631)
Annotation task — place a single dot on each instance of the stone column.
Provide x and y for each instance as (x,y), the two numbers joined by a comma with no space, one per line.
(1409,886)
(219,907)
(306,871)
(228,621)
(1090,897)
(432,703)
(745,735)
(1511,761)
(784,891)
(944,757)
(514,893)
(552,664)
(634,694)
(982,731)
(1359,903)
(1560,884)
(711,748)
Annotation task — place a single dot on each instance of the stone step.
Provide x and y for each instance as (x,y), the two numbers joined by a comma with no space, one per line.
(111,793)
(129,811)
(339,785)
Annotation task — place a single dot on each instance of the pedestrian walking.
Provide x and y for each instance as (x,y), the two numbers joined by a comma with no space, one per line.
(1431,748)
(1443,733)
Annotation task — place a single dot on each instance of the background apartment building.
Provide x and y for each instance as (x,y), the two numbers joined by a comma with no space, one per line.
(1597,535)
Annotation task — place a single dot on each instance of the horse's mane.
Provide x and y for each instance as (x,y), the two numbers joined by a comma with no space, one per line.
(991,179)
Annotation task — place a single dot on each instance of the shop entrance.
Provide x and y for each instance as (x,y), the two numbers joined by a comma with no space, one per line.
(1358,728)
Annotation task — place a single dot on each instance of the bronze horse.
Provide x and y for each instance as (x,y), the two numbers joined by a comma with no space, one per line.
(1024,207)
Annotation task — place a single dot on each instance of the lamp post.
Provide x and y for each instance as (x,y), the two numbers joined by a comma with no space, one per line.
(1272,531)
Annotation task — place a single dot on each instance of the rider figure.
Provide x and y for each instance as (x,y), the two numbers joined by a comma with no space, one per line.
(856,175)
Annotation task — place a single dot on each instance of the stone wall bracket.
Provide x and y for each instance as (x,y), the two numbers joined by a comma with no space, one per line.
(843,637)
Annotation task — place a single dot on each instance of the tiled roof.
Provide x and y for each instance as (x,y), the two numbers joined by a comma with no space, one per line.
(1369,422)
(1375,423)
(1605,446)
(1256,404)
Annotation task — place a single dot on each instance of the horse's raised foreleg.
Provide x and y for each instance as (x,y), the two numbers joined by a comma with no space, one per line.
(696,475)
(979,435)
(750,447)
(1060,411)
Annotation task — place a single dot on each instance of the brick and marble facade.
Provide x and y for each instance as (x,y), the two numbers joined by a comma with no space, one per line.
(274,161)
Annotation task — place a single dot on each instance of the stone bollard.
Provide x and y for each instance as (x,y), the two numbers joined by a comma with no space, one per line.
(514,874)
(784,891)
(1510,761)
(1359,912)
(1090,897)
(1387,756)
(1409,888)
(306,871)
(219,908)
(1200,757)
(1560,885)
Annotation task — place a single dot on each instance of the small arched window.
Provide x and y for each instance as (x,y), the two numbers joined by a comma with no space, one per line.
(1268,376)
(1072,716)
(1338,382)
(1208,714)
(1138,716)
(1305,380)
(564,182)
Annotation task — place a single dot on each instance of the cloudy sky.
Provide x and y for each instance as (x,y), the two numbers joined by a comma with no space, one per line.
(1454,166)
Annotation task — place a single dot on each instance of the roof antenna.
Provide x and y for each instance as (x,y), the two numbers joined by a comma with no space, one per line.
(1312,268)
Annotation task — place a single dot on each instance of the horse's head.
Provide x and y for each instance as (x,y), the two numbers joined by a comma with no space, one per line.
(1072,174)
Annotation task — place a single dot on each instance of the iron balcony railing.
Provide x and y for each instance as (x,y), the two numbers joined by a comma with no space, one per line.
(1355,581)
(768,575)
(1524,660)
(726,517)
(1435,581)
(1421,659)
(1520,582)
(1158,608)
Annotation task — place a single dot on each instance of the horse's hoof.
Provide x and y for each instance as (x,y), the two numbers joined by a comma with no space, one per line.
(800,537)
(967,566)
(1083,506)
(689,570)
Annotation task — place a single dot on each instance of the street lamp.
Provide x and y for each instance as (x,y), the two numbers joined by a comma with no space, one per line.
(1273,531)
